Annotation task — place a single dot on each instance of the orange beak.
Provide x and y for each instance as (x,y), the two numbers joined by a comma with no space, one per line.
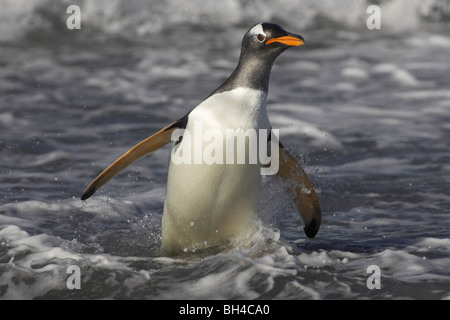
(287,40)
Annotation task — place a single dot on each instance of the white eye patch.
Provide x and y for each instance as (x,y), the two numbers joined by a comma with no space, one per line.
(258,29)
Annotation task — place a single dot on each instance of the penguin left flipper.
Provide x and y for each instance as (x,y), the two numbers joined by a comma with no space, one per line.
(301,189)
(146,146)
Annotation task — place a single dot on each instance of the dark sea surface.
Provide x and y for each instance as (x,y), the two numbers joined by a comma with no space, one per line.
(366,112)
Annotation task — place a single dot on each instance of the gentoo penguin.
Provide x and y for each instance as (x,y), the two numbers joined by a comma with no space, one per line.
(207,203)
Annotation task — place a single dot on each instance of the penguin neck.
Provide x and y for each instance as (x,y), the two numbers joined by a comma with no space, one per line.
(250,73)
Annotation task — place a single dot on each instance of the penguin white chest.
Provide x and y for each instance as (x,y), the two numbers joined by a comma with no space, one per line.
(214,172)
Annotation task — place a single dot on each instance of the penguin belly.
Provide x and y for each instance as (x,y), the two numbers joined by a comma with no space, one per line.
(207,204)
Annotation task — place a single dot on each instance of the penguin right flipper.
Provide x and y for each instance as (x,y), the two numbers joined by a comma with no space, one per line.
(144,147)
(301,189)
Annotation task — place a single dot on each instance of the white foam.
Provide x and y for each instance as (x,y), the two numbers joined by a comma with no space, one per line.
(354,73)
(405,78)
(12,232)
(396,74)
(434,40)
(139,18)
(287,118)
(384,68)
(424,94)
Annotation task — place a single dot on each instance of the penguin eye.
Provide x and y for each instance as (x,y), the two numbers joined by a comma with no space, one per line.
(261,37)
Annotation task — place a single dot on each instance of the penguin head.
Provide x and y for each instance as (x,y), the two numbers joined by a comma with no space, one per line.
(261,45)
(267,41)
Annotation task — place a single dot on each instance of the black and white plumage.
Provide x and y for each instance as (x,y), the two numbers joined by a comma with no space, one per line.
(207,204)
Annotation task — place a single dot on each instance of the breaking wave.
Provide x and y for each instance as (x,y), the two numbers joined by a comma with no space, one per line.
(139,18)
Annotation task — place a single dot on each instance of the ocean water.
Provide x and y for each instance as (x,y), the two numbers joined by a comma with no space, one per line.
(366,112)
